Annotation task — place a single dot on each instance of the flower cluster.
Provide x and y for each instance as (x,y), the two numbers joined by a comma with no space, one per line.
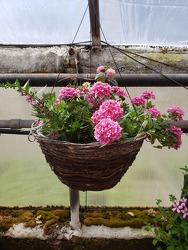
(102,112)
(180,207)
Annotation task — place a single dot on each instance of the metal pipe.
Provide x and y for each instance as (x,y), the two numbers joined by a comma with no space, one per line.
(14,131)
(128,80)
(19,123)
(74,207)
(16,123)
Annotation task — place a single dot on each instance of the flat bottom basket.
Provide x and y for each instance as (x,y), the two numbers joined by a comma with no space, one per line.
(89,167)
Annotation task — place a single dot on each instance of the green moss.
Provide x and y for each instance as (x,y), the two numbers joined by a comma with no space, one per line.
(6,223)
(171,58)
(46,215)
(136,223)
(62,214)
(114,217)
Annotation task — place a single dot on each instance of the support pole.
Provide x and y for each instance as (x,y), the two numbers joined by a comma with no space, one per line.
(74,209)
(95,23)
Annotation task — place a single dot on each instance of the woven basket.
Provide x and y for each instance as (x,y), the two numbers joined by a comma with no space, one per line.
(89,167)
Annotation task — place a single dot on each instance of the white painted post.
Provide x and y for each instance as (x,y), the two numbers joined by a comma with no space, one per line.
(74,208)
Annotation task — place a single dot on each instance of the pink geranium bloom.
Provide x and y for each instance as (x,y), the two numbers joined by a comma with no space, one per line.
(100,69)
(92,100)
(40,123)
(176,113)
(178,132)
(82,90)
(153,111)
(107,131)
(97,116)
(110,73)
(57,102)
(138,101)
(53,134)
(148,94)
(67,92)
(120,92)
(101,89)
(108,109)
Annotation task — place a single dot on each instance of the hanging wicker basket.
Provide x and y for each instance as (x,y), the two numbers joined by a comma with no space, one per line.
(91,166)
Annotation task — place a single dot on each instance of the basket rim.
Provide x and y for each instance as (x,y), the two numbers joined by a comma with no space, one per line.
(35,131)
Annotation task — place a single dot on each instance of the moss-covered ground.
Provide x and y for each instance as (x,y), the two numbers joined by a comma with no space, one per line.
(114,217)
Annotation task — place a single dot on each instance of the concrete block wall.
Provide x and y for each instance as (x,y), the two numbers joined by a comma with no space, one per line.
(66,59)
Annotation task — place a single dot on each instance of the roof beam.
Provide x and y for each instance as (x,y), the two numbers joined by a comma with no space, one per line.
(95,23)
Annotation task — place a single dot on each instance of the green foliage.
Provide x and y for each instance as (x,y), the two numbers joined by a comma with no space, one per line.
(68,117)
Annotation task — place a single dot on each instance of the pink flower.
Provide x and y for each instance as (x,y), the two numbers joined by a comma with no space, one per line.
(153,111)
(40,123)
(53,134)
(57,102)
(110,73)
(108,109)
(148,94)
(180,207)
(120,92)
(176,113)
(100,69)
(183,200)
(32,101)
(184,212)
(176,207)
(92,100)
(29,98)
(81,90)
(67,92)
(178,132)
(107,131)
(101,89)
(138,101)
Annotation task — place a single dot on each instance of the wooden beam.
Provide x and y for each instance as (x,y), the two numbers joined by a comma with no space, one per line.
(95,23)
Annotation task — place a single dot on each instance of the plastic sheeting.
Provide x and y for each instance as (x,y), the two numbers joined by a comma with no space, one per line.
(129,22)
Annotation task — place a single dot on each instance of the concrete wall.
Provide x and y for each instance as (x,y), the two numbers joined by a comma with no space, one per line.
(65,59)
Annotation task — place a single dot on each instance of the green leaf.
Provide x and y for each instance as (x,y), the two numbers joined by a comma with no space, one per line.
(154,242)
(113,81)
(26,87)
(17,83)
(160,147)
(41,90)
(169,226)
(179,248)
(100,77)
(144,124)
(170,248)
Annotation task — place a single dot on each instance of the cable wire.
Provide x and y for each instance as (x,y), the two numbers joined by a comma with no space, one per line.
(80,23)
